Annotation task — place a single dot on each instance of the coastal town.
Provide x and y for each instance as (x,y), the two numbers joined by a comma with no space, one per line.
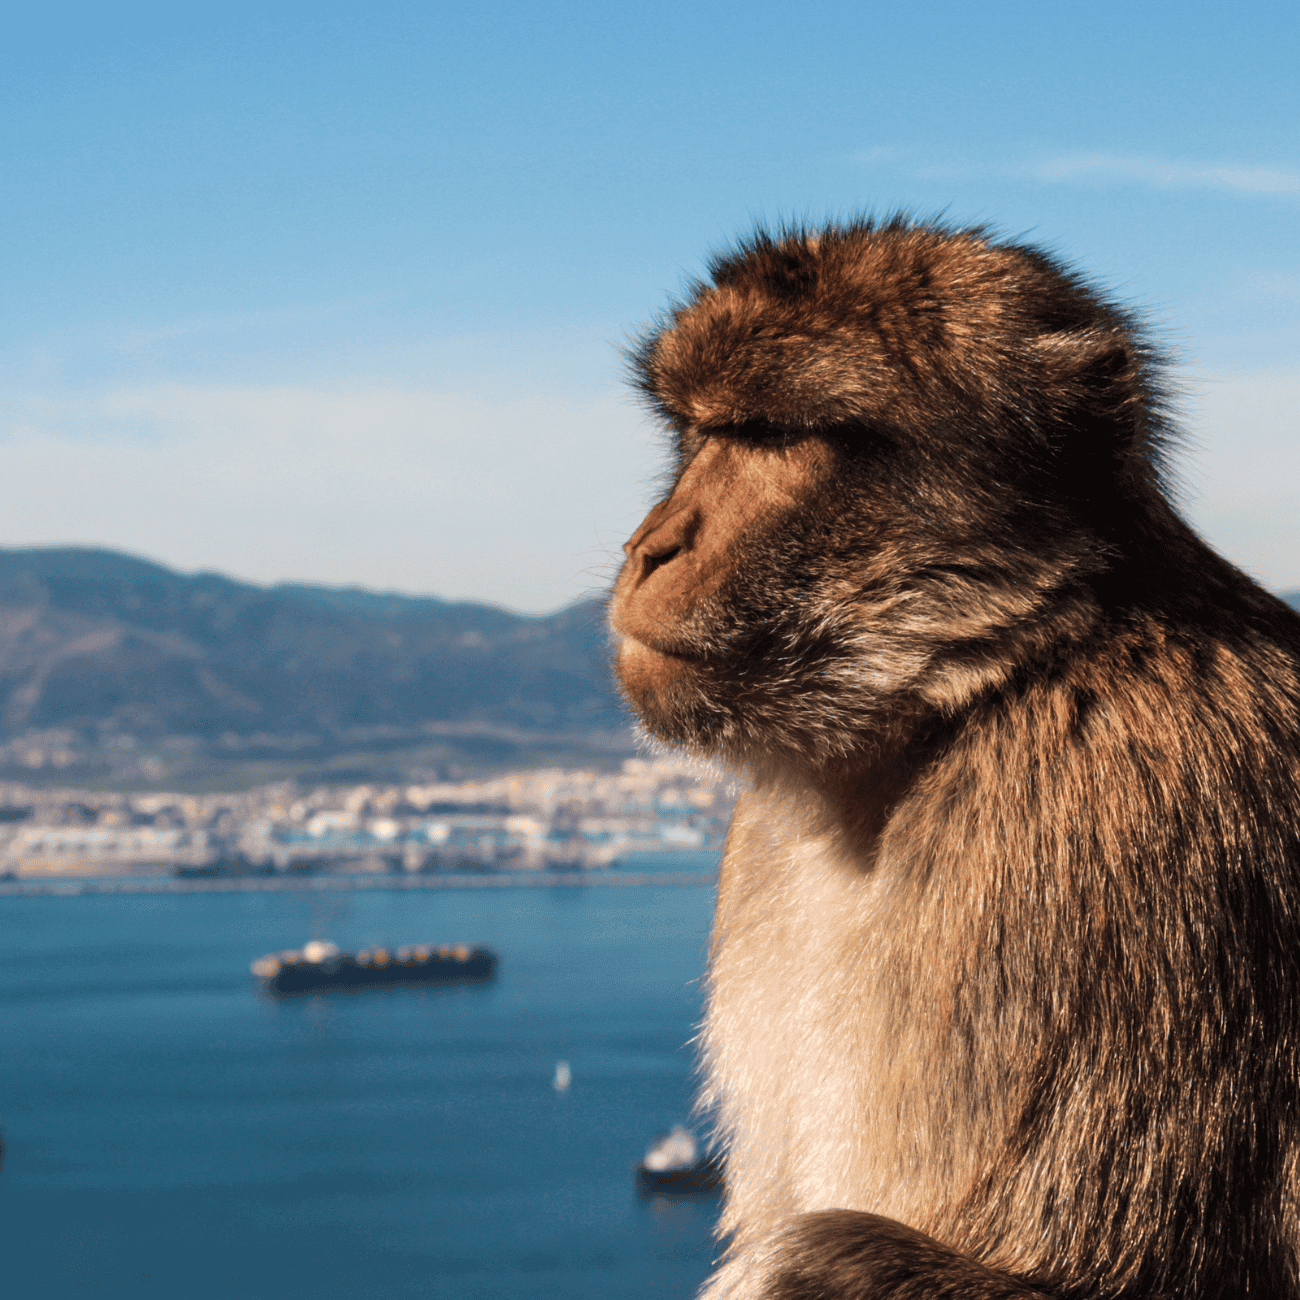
(533,820)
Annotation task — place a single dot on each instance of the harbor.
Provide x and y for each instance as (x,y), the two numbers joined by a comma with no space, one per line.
(543,821)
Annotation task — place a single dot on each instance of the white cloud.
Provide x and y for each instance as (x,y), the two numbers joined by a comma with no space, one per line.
(1284,285)
(1167,175)
(521,502)
(1241,471)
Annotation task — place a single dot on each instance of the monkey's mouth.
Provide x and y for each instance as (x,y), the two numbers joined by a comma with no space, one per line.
(634,647)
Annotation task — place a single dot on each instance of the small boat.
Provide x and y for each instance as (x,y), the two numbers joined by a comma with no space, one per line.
(320,965)
(674,1163)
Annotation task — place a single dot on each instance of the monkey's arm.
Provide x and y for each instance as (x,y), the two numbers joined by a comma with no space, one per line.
(846,1255)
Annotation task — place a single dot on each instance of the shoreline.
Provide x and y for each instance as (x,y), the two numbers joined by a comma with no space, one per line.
(47,886)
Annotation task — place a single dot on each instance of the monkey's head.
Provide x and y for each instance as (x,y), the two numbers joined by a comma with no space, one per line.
(904,454)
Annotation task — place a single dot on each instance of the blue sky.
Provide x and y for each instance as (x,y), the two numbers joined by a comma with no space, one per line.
(337,293)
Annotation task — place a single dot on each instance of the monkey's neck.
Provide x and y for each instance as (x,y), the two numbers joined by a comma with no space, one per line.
(850,799)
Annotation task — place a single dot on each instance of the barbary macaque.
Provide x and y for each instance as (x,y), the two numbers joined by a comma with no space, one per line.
(1004,991)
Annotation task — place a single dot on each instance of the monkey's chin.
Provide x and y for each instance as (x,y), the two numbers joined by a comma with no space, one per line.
(653,680)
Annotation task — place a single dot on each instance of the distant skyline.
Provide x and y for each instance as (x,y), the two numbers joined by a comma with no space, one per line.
(337,295)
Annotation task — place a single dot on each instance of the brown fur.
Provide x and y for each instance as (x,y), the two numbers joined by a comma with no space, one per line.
(1008,936)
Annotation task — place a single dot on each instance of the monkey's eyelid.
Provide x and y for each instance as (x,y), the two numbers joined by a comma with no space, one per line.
(762,432)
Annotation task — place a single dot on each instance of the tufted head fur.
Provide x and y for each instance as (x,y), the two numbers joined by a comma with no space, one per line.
(886,329)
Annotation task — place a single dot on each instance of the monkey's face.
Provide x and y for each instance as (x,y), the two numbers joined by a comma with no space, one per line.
(795,595)
(739,604)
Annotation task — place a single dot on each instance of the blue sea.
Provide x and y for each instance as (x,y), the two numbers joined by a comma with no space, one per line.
(173,1131)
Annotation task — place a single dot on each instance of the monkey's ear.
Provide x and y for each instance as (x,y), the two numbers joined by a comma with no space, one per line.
(1080,355)
(1092,374)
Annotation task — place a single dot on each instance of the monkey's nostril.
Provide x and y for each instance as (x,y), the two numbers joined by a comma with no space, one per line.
(652,561)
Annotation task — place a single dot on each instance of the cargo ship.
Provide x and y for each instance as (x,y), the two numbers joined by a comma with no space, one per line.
(320,965)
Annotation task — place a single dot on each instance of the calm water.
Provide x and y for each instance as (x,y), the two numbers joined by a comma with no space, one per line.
(173,1132)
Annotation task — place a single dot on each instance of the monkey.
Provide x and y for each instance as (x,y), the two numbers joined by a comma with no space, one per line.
(1003,993)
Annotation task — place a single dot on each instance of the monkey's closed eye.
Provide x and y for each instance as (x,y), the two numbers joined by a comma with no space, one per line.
(761,433)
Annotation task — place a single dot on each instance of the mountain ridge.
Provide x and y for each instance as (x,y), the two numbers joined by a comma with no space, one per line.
(105,646)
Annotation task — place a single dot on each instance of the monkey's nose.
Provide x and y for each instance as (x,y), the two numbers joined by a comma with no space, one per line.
(664,533)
